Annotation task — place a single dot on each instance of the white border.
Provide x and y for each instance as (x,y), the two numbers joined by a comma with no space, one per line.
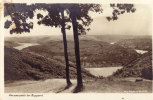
(1,55)
(67,96)
(81,1)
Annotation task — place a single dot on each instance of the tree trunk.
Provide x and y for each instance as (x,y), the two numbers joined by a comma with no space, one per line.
(77,53)
(65,50)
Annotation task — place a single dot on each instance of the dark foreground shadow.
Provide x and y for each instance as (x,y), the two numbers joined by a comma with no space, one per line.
(67,87)
(78,88)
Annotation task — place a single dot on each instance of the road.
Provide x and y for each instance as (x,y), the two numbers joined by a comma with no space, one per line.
(43,86)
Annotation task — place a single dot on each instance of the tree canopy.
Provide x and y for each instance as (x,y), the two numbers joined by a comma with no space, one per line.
(119,9)
(80,10)
(19,13)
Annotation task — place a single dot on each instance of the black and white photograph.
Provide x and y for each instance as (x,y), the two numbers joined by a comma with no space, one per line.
(77,48)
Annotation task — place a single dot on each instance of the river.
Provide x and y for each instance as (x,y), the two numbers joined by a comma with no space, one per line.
(25,45)
(112,43)
(104,71)
(141,51)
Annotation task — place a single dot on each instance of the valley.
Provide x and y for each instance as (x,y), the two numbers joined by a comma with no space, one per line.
(106,61)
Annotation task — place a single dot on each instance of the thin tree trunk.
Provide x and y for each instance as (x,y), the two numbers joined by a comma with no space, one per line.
(65,50)
(77,53)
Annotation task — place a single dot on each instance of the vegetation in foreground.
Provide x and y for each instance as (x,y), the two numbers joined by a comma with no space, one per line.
(141,67)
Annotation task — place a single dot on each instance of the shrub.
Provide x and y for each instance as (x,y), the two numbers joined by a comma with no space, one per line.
(147,73)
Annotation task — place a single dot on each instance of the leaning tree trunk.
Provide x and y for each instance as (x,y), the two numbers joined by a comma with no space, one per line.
(65,50)
(77,54)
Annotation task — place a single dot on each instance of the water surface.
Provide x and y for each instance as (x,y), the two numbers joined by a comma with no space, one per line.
(141,51)
(25,45)
(104,71)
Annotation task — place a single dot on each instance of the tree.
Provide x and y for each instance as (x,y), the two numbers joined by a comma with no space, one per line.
(76,11)
(119,9)
(80,12)
(19,13)
(65,50)
(53,19)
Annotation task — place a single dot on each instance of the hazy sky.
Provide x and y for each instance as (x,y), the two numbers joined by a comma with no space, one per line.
(138,23)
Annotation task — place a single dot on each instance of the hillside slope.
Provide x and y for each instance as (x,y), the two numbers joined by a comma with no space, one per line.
(141,67)
(137,43)
(92,53)
(21,65)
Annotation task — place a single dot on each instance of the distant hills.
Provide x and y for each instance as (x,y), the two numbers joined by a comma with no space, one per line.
(137,43)
(47,59)
(104,38)
(93,53)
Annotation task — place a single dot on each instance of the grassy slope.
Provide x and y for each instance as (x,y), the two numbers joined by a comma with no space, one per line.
(117,86)
(22,65)
(141,67)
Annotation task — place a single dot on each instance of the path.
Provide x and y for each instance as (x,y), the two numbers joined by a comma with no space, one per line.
(43,86)
(119,85)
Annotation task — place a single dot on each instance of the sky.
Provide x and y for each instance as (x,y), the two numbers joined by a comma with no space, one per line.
(138,23)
